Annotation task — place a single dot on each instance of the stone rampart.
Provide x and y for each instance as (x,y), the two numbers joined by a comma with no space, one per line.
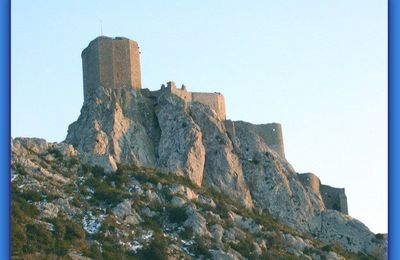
(334,198)
(310,180)
(271,134)
(215,101)
(182,92)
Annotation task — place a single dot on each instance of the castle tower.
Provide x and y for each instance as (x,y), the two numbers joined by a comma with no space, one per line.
(111,63)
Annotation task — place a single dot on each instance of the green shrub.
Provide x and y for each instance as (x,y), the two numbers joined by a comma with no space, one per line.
(55,152)
(20,208)
(246,247)
(156,250)
(110,195)
(31,196)
(111,250)
(39,239)
(176,214)
(96,170)
(120,178)
(199,247)
(19,169)
(105,192)
(73,161)
(187,233)
(18,235)
(61,247)
(73,231)
(93,252)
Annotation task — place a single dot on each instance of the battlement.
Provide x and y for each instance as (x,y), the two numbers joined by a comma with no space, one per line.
(215,101)
(111,63)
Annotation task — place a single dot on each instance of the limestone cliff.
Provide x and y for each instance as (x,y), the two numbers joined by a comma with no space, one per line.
(163,131)
(63,208)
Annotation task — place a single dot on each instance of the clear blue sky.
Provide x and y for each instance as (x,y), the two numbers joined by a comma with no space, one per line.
(317,67)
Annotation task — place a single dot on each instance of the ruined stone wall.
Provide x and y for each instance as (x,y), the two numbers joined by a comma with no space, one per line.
(272,135)
(334,198)
(215,101)
(182,92)
(112,63)
(310,180)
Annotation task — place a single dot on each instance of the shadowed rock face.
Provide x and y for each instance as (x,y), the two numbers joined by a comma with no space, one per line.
(162,131)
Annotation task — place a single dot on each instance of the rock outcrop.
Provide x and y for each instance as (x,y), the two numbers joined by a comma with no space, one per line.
(182,136)
(163,131)
(130,207)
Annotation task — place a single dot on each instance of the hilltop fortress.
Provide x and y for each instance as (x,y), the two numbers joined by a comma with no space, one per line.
(138,133)
(115,63)
(135,155)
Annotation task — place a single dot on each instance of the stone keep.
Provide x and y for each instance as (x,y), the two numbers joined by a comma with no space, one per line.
(111,63)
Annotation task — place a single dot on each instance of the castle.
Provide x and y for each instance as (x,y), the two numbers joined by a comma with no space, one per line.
(115,63)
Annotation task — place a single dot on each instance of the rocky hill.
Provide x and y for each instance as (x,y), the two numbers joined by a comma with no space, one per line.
(163,175)
(64,209)
(142,175)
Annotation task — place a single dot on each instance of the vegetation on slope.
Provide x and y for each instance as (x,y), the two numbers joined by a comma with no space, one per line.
(83,218)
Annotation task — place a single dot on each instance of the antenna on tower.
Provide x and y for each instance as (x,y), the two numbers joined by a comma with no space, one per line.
(101,27)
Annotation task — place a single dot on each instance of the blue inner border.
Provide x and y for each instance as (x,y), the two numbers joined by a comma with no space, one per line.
(5,245)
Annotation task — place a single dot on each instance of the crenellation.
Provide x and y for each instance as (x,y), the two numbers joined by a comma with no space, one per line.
(182,92)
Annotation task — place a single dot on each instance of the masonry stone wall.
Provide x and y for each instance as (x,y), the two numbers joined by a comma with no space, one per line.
(91,68)
(182,92)
(334,198)
(272,135)
(215,101)
(310,180)
(111,62)
(136,73)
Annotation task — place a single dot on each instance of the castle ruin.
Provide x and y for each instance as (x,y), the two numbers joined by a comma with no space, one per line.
(115,63)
